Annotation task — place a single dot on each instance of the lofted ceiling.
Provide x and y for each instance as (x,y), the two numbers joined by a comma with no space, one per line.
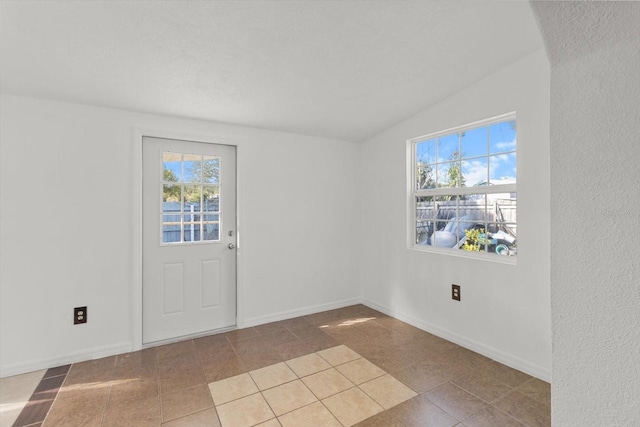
(338,69)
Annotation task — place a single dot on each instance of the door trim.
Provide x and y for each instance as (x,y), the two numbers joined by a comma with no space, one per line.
(136,226)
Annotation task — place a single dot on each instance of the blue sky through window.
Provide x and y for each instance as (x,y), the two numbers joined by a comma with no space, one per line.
(488,154)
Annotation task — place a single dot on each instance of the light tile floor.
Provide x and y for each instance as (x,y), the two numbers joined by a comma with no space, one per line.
(341,367)
(319,395)
(15,393)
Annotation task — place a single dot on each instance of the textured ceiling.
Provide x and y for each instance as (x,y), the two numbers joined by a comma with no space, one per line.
(572,29)
(339,69)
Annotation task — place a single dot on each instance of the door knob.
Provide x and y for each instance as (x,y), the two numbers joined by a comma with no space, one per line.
(232,246)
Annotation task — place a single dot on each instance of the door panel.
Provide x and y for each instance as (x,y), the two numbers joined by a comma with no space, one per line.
(189,223)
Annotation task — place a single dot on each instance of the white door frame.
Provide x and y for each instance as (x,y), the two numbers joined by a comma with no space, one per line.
(136,226)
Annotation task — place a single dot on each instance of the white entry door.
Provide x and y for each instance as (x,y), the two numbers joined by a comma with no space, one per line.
(189,237)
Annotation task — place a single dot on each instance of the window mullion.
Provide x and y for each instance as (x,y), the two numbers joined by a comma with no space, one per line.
(464,191)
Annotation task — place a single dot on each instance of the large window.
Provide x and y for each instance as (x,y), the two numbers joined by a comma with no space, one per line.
(464,189)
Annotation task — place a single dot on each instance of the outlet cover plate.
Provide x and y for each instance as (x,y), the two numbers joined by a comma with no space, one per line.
(79,315)
(455,292)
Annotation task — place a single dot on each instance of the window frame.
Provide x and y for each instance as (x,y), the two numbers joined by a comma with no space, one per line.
(413,193)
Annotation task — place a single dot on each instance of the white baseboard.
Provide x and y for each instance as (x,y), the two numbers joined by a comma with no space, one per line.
(125,347)
(488,351)
(283,315)
(79,356)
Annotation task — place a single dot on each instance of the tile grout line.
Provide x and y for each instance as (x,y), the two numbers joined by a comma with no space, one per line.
(331,366)
(260,391)
(53,400)
(491,404)
(199,359)
(159,381)
(57,392)
(26,410)
(106,405)
(474,395)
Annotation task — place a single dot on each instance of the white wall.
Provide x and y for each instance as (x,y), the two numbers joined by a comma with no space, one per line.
(595,199)
(68,214)
(505,309)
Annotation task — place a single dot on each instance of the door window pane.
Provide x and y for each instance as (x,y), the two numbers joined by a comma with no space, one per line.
(172,167)
(183,204)
(191,228)
(210,170)
(211,198)
(192,198)
(211,231)
(192,168)
(171,192)
(171,228)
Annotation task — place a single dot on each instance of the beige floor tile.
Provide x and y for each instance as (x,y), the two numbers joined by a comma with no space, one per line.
(320,342)
(245,412)
(271,423)
(215,352)
(314,415)
(308,364)
(142,413)
(421,377)
(485,387)
(62,414)
(91,371)
(175,350)
(338,355)
(15,392)
(507,375)
(133,389)
(288,397)
(19,387)
(387,391)
(383,419)
(491,417)
(352,406)
(216,371)
(290,350)
(327,383)
(360,370)
(82,406)
(206,418)
(177,373)
(270,328)
(241,334)
(232,388)
(526,409)
(418,411)
(457,402)
(272,376)
(185,402)
(537,389)
(279,337)
(262,359)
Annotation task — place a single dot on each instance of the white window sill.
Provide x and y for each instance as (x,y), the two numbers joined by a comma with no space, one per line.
(509,260)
